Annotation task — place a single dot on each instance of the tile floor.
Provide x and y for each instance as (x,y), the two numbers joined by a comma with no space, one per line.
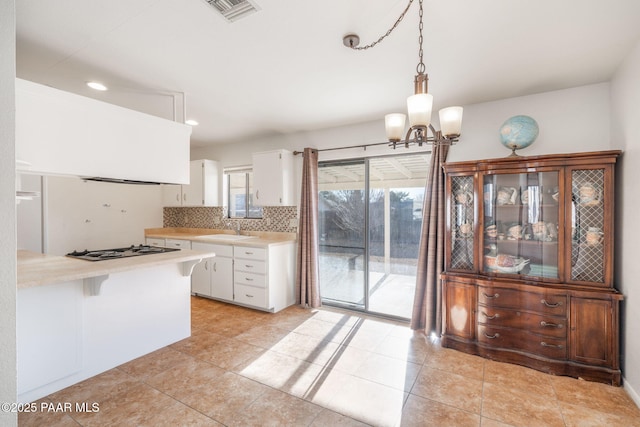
(325,367)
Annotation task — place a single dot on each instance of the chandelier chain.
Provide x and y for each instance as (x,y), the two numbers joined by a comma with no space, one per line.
(420,68)
(384,36)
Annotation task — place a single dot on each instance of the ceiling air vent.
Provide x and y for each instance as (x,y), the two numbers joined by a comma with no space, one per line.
(233,10)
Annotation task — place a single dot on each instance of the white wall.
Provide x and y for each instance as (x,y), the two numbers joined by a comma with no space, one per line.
(97,215)
(625,135)
(8,375)
(570,120)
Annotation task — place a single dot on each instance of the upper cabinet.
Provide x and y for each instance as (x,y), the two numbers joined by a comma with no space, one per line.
(202,189)
(273,178)
(60,133)
(546,218)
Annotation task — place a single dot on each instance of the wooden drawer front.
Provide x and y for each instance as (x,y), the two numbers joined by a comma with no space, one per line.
(250,266)
(243,278)
(539,302)
(530,322)
(517,339)
(259,254)
(250,295)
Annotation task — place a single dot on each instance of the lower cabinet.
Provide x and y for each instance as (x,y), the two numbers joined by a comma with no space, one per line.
(552,329)
(258,277)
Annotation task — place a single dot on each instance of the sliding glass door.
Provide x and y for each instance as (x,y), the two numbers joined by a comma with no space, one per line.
(370,220)
(342,210)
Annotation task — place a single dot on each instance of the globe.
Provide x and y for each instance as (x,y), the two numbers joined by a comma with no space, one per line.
(518,132)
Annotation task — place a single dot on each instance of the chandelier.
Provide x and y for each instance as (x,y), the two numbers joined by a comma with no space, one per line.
(419,104)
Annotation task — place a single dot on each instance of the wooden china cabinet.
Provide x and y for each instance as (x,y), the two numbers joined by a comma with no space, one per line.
(529,263)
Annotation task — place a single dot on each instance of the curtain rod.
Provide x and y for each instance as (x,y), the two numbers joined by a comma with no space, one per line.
(295,153)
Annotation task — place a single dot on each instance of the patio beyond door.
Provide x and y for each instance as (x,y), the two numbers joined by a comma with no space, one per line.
(370,214)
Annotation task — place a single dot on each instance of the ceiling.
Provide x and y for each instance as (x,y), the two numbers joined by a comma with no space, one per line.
(284,68)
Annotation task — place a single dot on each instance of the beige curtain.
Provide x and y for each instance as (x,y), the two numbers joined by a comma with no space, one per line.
(307,285)
(427,303)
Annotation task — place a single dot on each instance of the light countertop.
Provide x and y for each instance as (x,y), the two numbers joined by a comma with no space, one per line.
(209,235)
(36,269)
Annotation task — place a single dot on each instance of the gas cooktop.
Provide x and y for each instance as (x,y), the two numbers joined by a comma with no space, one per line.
(105,254)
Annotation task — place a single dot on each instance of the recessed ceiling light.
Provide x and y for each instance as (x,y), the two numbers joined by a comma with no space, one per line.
(191,122)
(97,86)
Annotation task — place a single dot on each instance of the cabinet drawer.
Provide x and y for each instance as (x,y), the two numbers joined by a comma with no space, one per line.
(539,302)
(250,295)
(517,339)
(259,254)
(243,278)
(154,241)
(178,243)
(250,266)
(536,323)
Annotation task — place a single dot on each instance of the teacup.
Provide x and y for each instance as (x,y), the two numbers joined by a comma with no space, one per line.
(593,236)
(465,228)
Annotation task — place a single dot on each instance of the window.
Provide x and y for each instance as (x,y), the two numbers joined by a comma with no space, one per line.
(240,194)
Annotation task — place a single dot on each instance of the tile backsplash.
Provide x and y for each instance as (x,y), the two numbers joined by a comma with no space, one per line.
(275,218)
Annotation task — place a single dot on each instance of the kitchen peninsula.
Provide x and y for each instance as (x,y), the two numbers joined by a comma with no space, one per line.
(77,318)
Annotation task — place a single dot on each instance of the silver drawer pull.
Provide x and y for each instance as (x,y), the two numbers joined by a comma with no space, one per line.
(248,253)
(248,266)
(496,295)
(248,279)
(495,316)
(549,304)
(551,325)
(544,344)
(248,296)
(492,337)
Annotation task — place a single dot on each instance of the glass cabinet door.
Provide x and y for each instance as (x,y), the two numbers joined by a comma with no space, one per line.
(462,227)
(521,224)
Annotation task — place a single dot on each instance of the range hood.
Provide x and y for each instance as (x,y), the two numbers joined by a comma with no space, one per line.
(61,133)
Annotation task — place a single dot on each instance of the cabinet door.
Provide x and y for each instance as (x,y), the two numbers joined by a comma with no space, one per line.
(201,277)
(193,194)
(593,335)
(460,246)
(459,309)
(171,195)
(591,221)
(222,278)
(273,178)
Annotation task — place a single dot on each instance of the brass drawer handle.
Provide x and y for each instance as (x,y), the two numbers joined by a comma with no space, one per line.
(551,305)
(496,295)
(551,325)
(544,344)
(492,337)
(495,316)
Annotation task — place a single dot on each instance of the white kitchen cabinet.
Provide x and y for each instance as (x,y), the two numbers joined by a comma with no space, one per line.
(258,277)
(213,277)
(177,243)
(61,133)
(273,178)
(263,277)
(202,189)
(154,241)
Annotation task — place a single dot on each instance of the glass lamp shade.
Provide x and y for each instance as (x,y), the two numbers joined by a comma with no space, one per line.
(451,121)
(394,125)
(419,107)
